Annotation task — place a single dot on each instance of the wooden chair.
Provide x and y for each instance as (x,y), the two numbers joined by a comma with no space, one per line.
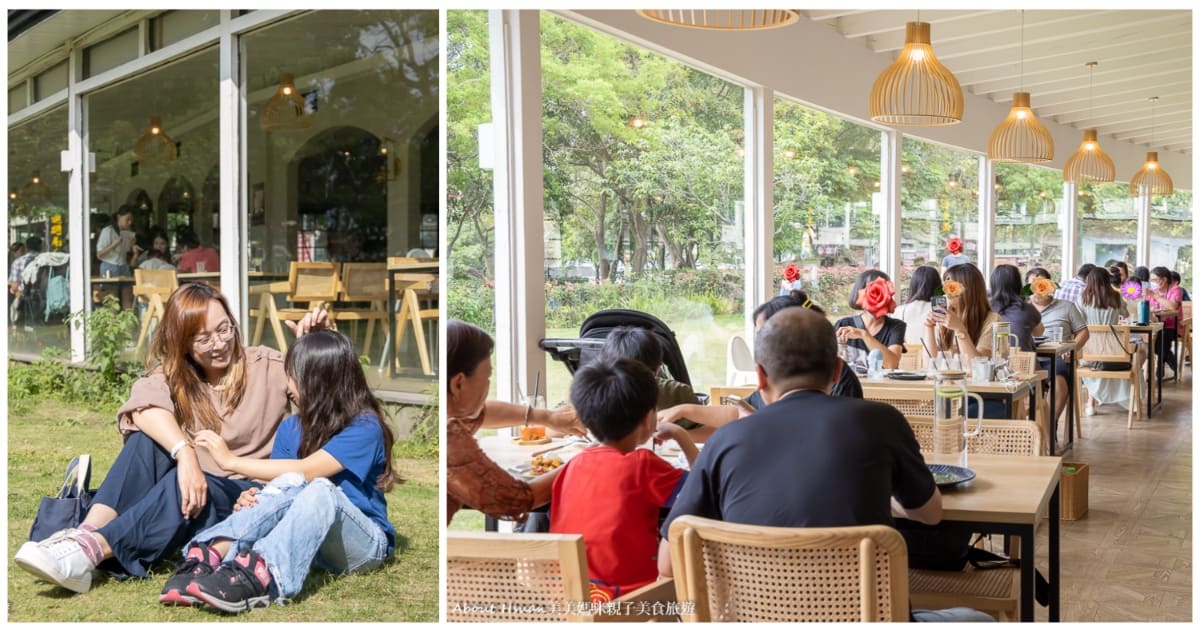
(732,572)
(741,391)
(363,282)
(1107,344)
(314,283)
(914,357)
(1021,362)
(994,591)
(533,577)
(152,287)
(917,401)
(411,287)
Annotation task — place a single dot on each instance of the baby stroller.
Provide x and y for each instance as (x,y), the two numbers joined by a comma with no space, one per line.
(594,330)
(45,294)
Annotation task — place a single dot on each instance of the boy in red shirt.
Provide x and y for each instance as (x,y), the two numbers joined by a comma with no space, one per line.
(612,493)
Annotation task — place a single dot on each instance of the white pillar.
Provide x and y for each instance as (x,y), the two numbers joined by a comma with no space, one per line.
(759,249)
(1069,224)
(1142,246)
(515,45)
(889,188)
(77,207)
(233,229)
(987,216)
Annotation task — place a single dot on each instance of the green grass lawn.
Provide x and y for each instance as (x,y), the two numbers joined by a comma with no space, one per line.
(43,439)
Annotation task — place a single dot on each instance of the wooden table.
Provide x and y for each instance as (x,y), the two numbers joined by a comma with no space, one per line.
(394,269)
(1151,331)
(1008,391)
(1009,495)
(123,285)
(1052,350)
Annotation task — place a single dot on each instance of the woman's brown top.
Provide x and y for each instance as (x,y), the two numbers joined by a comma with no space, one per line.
(249,430)
(474,480)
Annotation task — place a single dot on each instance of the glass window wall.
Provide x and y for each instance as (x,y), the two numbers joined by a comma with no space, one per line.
(342,178)
(37,219)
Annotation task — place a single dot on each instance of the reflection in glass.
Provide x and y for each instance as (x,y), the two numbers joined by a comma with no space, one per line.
(37,211)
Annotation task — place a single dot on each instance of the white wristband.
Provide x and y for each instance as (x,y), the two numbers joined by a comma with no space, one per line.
(175,449)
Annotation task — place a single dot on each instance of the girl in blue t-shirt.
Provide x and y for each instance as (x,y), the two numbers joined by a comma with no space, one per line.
(324,506)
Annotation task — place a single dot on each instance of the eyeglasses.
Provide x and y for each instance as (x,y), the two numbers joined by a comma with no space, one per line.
(205,343)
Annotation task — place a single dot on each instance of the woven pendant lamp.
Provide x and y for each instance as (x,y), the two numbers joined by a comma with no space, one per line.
(724,19)
(1089,163)
(1021,137)
(916,90)
(286,110)
(1152,176)
(155,144)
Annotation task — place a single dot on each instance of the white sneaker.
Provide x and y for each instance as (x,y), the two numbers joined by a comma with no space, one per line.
(62,533)
(61,561)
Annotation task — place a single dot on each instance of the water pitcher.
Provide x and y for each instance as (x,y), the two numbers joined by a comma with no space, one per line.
(950,418)
(1002,341)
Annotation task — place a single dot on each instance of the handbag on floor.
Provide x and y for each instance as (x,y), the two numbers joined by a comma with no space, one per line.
(69,507)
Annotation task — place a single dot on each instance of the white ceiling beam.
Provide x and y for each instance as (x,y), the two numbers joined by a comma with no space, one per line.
(1178,142)
(1003,29)
(1165,126)
(1108,99)
(1052,82)
(1071,91)
(1132,115)
(1068,65)
(1079,49)
(826,16)
(1114,25)
(890,22)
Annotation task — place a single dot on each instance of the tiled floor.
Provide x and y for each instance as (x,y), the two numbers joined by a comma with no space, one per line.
(1130,557)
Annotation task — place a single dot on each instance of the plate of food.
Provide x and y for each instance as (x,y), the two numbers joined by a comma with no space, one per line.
(900,375)
(947,476)
(539,465)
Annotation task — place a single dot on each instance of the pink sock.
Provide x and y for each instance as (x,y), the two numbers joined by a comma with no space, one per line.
(87,527)
(206,554)
(91,546)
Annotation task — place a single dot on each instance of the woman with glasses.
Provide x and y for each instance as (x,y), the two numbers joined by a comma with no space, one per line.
(161,490)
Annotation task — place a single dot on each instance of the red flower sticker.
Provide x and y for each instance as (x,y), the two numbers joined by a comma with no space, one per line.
(955,245)
(791,272)
(876,298)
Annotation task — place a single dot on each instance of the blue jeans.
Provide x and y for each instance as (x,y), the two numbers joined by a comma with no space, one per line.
(109,270)
(295,525)
(950,615)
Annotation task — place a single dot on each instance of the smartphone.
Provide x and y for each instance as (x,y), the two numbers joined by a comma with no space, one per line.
(737,401)
(688,425)
(939,303)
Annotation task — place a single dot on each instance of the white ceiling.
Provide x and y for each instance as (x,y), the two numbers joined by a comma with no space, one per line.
(1141,53)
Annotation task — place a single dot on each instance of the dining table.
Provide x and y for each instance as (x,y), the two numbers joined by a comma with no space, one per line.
(394,270)
(1008,391)
(1010,495)
(1052,349)
(1155,343)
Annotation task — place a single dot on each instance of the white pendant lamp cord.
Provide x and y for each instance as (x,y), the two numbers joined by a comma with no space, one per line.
(1022,73)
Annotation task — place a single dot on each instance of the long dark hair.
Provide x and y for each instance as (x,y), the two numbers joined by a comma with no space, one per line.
(925,280)
(333,392)
(794,298)
(1006,288)
(1098,291)
(972,306)
(185,316)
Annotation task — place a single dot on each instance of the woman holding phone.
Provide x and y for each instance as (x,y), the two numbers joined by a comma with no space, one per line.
(960,326)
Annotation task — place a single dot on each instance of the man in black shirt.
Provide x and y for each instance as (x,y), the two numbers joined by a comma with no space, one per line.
(809,459)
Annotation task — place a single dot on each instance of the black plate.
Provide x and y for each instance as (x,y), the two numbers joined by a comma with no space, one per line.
(905,376)
(947,476)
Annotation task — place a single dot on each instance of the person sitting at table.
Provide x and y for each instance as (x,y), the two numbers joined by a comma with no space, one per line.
(1122,269)
(472,478)
(196,255)
(715,416)
(116,243)
(1166,300)
(872,329)
(156,241)
(809,459)
(1176,280)
(925,282)
(32,247)
(965,327)
(157,261)
(641,345)
(1103,305)
(1006,300)
(1070,289)
(956,255)
(1066,317)
(611,493)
